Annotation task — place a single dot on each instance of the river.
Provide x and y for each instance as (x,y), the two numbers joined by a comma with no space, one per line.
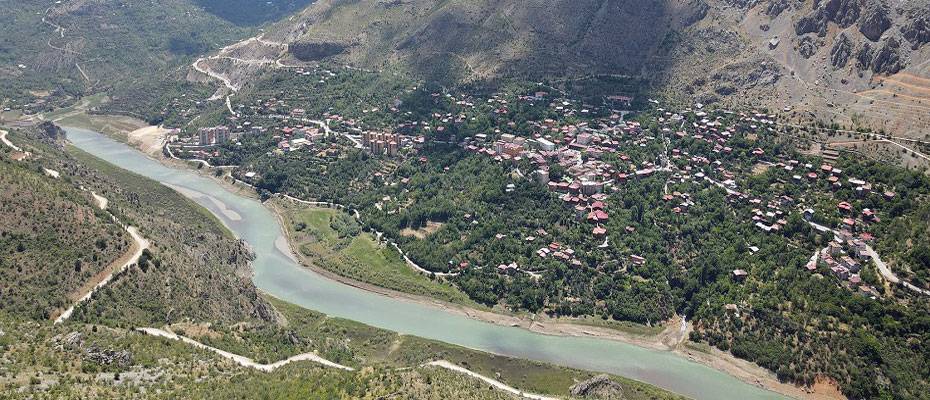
(277,274)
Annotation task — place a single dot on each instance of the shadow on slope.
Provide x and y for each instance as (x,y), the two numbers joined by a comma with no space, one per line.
(252,12)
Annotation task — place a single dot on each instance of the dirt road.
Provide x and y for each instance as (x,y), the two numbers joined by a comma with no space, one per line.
(493,382)
(242,360)
(104,277)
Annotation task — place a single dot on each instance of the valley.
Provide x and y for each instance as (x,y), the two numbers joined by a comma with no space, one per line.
(115,361)
(465,198)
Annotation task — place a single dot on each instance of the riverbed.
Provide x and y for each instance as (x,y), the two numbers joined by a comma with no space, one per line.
(276,273)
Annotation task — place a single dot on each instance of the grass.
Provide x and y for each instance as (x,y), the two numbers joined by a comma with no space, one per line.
(701,347)
(318,220)
(361,257)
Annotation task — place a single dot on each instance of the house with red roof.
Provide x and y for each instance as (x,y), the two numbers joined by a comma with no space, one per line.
(844,207)
(597,216)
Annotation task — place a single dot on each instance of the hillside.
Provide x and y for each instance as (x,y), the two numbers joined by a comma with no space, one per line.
(52,52)
(859,62)
(41,360)
(52,236)
(59,239)
(467,39)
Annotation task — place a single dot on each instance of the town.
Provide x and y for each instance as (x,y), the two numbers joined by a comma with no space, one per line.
(587,157)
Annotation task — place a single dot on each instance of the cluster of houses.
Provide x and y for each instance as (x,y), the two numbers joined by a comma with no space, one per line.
(578,149)
(593,158)
(560,252)
(845,259)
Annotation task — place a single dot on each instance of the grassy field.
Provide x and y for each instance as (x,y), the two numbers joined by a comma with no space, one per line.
(360,257)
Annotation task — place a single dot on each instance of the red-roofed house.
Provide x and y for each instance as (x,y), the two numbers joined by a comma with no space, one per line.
(844,207)
(597,216)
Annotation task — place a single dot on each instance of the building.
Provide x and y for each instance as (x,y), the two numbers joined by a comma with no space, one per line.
(545,145)
(739,275)
(213,136)
(381,142)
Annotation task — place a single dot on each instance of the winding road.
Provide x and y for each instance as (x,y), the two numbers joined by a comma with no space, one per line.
(243,360)
(132,257)
(139,245)
(249,363)
(7,142)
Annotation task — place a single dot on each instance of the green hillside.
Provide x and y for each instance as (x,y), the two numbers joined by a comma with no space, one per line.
(50,54)
(52,237)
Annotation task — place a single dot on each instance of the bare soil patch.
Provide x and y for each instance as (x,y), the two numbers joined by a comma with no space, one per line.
(430,228)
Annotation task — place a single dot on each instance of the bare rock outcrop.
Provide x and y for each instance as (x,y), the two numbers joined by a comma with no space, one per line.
(841,51)
(844,13)
(776,7)
(864,57)
(917,31)
(599,387)
(875,21)
(887,59)
(807,46)
(122,358)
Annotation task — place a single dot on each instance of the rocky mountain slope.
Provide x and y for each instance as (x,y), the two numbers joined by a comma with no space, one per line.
(830,59)
(862,63)
(465,39)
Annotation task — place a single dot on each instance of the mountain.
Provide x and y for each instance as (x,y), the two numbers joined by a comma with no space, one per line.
(53,52)
(466,39)
(834,60)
